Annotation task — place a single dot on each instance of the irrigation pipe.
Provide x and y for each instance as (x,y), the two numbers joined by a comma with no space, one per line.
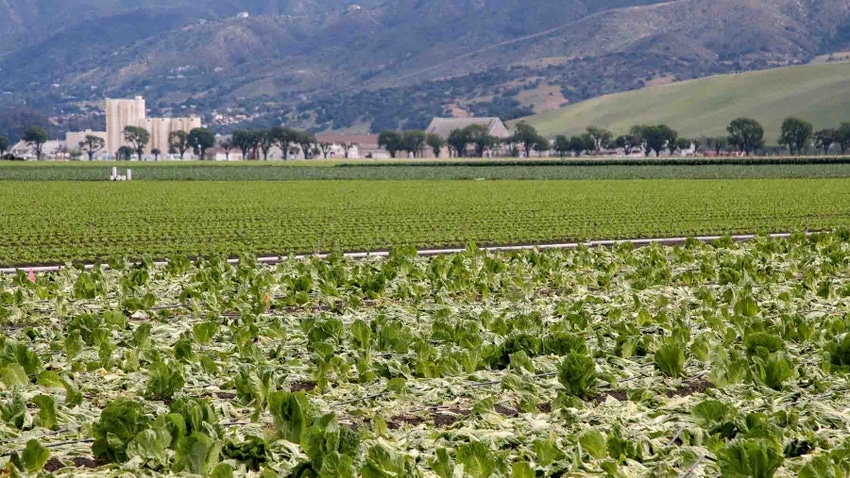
(676,437)
(693,467)
(271,260)
(57,445)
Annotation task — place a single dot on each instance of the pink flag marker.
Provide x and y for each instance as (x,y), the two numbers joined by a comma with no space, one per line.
(32,276)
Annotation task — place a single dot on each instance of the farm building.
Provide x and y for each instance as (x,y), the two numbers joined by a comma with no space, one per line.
(52,149)
(443,127)
(360,146)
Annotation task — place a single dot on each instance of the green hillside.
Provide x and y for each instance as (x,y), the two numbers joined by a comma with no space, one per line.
(817,92)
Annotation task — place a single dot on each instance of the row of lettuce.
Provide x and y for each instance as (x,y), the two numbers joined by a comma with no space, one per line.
(739,324)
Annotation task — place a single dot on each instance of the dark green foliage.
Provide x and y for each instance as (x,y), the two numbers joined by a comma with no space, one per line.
(839,353)
(291,414)
(716,417)
(526,136)
(670,357)
(32,459)
(796,135)
(35,137)
(577,373)
(750,458)
(458,140)
(18,353)
(13,411)
(392,141)
(773,370)
(164,380)
(200,140)
(119,423)
(138,137)
(252,452)
(381,462)
(195,413)
(747,135)
(761,343)
(655,138)
(563,343)
(825,138)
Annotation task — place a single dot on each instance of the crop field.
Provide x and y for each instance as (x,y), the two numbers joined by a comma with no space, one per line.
(540,169)
(702,360)
(54,222)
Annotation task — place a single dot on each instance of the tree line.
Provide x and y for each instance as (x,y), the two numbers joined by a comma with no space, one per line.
(291,142)
(745,135)
(798,136)
(472,140)
(253,144)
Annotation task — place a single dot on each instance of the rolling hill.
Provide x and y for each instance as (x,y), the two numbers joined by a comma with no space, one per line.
(332,64)
(704,107)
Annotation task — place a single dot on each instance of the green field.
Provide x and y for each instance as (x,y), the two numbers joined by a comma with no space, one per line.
(554,168)
(723,360)
(819,93)
(49,222)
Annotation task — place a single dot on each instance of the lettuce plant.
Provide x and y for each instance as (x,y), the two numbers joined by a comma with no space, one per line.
(577,373)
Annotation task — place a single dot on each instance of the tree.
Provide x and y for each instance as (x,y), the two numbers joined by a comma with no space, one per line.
(844,137)
(91,145)
(35,137)
(458,140)
(796,134)
(628,143)
(682,144)
(638,132)
(201,139)
(601,137)
(542,146)
(562,145)
(347,147)
(715,144)
(178,142)
(325,148)
(245,141)
(697,144)
(125,153)
(655,138)
(673,147)
(392,141)
(480,137)
(527,136)
(582,143)
(436,143)
(306,141)
(825,138)
(414,142)
(281,136)
(227,145)
(746,134)
(512,146)
(266,138)
(138,138)
(156,152)
(4,145)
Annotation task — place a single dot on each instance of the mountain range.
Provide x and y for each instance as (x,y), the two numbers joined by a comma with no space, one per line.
(371,64)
